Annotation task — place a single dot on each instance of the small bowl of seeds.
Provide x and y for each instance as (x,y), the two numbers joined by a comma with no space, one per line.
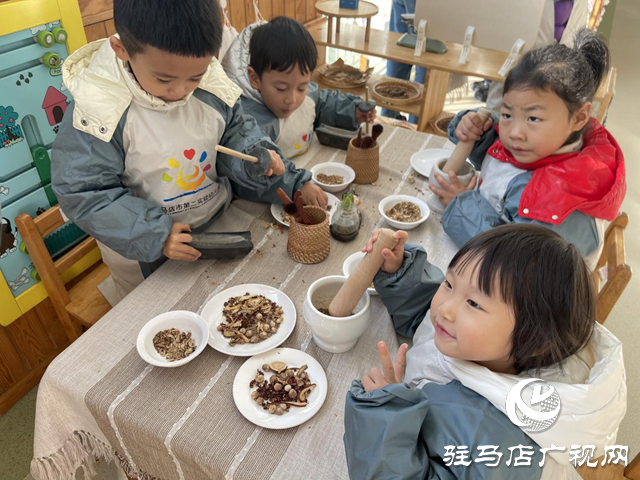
(403,211)
(333,177)
(172,339)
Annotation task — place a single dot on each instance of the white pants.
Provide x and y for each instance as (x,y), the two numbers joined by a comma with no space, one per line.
(126,274)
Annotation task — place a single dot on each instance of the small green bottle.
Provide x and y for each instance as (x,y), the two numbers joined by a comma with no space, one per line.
(345,224)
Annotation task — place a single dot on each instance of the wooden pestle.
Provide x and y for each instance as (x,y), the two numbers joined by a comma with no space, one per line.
(354,287)
(463,149)
(367,100)
(233,153)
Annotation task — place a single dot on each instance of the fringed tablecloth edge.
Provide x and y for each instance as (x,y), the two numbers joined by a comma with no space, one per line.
(78,452)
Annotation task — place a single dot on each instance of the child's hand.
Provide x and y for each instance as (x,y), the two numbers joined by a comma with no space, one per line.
(392,258)
(175,247)
(391,372)
(471,127)
(448,191)
(277,165)
(362,116)
(312,194)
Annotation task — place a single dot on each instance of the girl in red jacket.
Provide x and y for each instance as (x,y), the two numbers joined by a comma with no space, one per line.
(547,161)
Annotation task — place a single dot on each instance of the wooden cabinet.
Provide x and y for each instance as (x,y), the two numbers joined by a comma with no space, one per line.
(97,15)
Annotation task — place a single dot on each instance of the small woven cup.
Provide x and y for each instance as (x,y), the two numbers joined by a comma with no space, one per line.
(364,161)
(310,243)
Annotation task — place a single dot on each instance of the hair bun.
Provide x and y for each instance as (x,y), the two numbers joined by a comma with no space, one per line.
(595,51)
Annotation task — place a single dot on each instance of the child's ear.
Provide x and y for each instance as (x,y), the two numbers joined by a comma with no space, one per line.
(581,116)
(254,78)
(118,47)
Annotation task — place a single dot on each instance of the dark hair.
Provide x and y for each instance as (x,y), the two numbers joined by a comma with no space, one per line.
(573,74)
(280,45)
(546,282)
(190,28)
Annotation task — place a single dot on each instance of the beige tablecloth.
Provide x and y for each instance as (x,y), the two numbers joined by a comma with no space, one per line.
(100,399)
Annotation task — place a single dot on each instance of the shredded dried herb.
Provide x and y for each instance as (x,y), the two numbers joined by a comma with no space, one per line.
(330,179)
(174,344)
(404,212)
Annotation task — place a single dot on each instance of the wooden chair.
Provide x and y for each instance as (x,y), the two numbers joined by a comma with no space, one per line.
(618,276)
(604,95)
(618,272)
(82,304)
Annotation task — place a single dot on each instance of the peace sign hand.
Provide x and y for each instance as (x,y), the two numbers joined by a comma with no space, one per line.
(392,372)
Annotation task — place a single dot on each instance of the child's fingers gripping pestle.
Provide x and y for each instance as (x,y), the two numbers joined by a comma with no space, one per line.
(394,257)
(463,148)
(349,294)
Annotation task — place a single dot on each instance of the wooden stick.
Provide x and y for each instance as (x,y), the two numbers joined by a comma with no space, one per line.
(354,287)
(233,153)
(463,149)
(367,100)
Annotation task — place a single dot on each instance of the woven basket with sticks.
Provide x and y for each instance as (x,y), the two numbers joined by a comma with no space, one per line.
(364,161)
(310,243)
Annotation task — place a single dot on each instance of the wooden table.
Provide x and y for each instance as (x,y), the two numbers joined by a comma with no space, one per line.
(482,63)
(181,423)
(331,8)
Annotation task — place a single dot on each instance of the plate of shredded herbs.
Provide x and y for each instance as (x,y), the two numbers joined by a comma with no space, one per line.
(172,339)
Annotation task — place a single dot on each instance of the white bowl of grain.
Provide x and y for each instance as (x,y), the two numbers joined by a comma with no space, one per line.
(397,202)
(184,321)
(327,176)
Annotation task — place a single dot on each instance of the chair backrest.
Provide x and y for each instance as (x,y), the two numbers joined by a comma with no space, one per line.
(33,232)
(618,273)
(604,95)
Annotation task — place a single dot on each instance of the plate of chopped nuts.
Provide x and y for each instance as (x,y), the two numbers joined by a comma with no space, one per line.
(280,389)
(172,338)
(277,210)
(246,320)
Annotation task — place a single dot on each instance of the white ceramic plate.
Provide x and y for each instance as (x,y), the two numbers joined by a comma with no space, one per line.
(334,168)
(212,313)
(296,415)
(350,264)
(277,210)
(182,320)
(424,160)
(391,200)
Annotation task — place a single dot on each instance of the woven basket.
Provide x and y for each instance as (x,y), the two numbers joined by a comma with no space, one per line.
(326,72)
(414,92)
(310,243)
(441,122)
(365,162)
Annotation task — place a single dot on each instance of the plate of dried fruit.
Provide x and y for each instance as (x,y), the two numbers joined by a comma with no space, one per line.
(277,210)
(246,320)
(280,389)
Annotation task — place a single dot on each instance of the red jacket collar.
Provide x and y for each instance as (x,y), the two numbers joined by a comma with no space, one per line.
(591,180)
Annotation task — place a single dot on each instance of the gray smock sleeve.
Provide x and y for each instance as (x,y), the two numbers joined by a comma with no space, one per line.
(334,108)
(85,176)
(407,293)
(470,214)
(399,433)
(243,134)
